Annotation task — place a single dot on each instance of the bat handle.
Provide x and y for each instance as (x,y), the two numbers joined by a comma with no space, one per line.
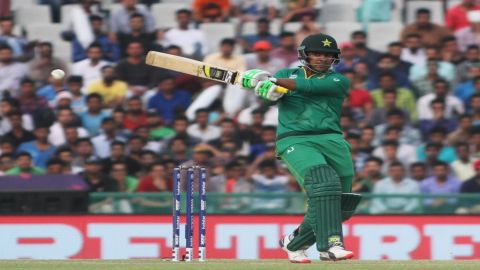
(282,89)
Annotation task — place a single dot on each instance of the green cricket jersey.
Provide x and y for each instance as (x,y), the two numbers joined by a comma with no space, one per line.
(315,106)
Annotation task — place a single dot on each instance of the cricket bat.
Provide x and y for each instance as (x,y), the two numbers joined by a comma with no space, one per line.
(196,68)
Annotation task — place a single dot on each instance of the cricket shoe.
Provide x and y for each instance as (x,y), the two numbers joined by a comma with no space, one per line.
(336,253)
(298,256)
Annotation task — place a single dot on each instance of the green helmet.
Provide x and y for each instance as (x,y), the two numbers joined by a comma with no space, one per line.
(318,43)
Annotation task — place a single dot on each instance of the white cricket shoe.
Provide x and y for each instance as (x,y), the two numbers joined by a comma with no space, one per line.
(336,253)
(298,256)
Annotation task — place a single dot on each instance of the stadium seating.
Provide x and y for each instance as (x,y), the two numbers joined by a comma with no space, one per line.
(249,28)
(338,12)
(389,31)
(164,13)
(215,32)
(342,30)
(32,15)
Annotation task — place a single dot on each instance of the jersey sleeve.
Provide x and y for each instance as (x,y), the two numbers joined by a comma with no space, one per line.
(333,85)
(282,74)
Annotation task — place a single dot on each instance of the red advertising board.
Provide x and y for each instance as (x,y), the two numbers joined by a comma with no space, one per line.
(243,237)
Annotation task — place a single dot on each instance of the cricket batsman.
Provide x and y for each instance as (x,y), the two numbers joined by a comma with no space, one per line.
(310,142)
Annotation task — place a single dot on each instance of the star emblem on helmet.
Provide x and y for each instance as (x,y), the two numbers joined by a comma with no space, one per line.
(326,43)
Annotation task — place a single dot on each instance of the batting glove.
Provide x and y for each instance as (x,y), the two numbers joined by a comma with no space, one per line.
(268,90)
(250,78)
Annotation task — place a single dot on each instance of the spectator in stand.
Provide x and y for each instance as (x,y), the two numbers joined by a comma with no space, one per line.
(135,115)
(192,41)
(23,161)
(413,51)
(103,141)
(431,34)
(263,34)
(287,51)
(359,98)
(467,36)
(252,10)
(388,64)
(50,91)
(466,90)
(472,58)
(177,150)
(267,136)
(6,163)
(396,183)
(169,100)
(359,41)
(64,117)
(180,126)
(369,176)
(379,116)
(440,183)
(446,70)
(71,136)
(11,73)
(418,171)
(395,50)
(358,156)
(436,138)
(95,178)
(296,9)
(201,129)
(137,34)
(157,128)
(425,84)
(367,135)
(40,149)
(120,20)
(93,117)
(438,119)
(226,57)
(65,154)
(456,17)
(155,181)
(472,185)
(463,131)
(7,146)
(454,106)
(391,151)
(396,118)
(56,166)
(134,71)
(450,51)
(231,181)
(125,182)
(110,50)
(404,97)
(475,109)
(74,86)
(8,105)
(28,98)
(18,134)
(90,69)
(83,151)
(262,58)
(347,57)
(109,87)
(463,166)
(118,155)
(18,44)
(44,62)
(308,27)
(205,11)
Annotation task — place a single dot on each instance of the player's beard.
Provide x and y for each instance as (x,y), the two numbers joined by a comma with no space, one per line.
(321,65)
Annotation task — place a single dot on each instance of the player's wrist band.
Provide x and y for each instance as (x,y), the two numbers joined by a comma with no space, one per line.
(273,79)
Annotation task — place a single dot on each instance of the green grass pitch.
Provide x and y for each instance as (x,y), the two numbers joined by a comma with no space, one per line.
(233,265)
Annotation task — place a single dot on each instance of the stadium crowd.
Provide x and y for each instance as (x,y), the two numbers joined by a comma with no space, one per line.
(412,117)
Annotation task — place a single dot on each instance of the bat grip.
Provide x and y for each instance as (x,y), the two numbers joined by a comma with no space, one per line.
(282,89)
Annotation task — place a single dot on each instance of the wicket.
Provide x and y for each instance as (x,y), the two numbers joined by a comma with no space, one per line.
(176,213)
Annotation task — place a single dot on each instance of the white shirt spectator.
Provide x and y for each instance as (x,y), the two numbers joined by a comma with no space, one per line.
(191,40)
(463,171)
(419,57)
(407,154)
(57,134)
(6,126)
(452,104)
(388,186)
(10,77)
(88,71)
(204,135)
